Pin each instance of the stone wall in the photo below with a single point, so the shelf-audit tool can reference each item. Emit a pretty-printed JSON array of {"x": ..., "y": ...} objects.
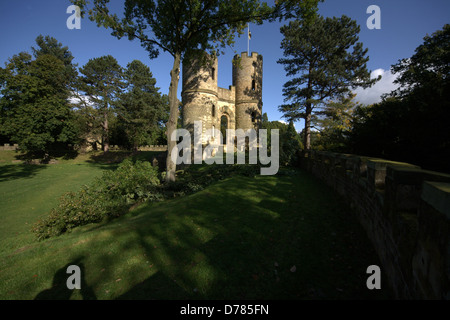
[
  {"x": 153, "y": 148},
  {"x": 8, "y": 146},
  {"x": 406, "y": 213}
]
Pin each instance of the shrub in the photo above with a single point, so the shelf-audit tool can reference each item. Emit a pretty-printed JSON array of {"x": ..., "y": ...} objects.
[{"x": 109, "y": 196}]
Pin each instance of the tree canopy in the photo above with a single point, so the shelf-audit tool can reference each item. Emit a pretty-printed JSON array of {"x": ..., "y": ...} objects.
[
  {"x": 324, "y": 60},
  {"x": 409, "y": 124},
  {"x": 102, "y": 82},
  {"x": 34, "y": 108},
  {"x": 141, "y": 108}
]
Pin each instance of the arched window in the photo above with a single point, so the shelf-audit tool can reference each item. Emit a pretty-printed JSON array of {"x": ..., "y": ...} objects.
[
  {"x": 213, "y": 111},
  {"x": 253, "y": 85},
  {"x": 213, "y": 75},
  {"x": 253, "y": 116}
]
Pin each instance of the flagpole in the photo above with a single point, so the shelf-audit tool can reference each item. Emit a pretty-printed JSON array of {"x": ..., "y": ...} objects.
[{"x": 248, "y": 39}]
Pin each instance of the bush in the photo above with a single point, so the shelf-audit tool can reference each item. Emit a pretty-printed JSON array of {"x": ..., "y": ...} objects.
[{"x": 109, "y": 196}]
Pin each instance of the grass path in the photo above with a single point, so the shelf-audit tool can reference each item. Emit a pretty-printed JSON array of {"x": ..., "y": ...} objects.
[{"x": 268, "y": 237}]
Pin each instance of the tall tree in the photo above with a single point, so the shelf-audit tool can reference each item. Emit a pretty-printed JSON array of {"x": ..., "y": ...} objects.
[
  {"x": 141, "y": 107},
  {"x": 428, "y": 67},
  {"x": 34, "y": 109},
  {"x": 409, "y": 124},
  {"x": 324, "y": 60},
  {"x": 335, "y": 123},
  {"x": 181, "y": 27},
  {"x": 51, "y": 46},
  {"x": 101, "y": 81}
]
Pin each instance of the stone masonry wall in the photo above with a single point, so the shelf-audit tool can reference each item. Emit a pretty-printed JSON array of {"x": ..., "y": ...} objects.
[
  {"x": 7, "y": 146},
  {"x": 406, "y": 213}
]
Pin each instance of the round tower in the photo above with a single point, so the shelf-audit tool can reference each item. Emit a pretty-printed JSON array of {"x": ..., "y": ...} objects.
[
  {"x": 199, "y": 92},
  {"x": 247, "y": 78}
]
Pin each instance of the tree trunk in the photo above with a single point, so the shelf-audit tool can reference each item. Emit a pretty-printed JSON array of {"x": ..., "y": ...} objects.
[
  {"x": 308, "y": 113},
  {"x": 105, "y": 133},
  {"x": 173, "y": 117},
  {"x": 307, "y": 138}
]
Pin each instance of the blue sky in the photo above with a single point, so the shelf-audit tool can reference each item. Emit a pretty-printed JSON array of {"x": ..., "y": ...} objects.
[{"x": 404, "y": 23}]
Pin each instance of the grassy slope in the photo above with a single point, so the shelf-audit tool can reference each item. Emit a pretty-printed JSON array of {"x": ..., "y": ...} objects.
[
  {"x": 222, "y": 242},
  {"x": 30, "y": 191}
]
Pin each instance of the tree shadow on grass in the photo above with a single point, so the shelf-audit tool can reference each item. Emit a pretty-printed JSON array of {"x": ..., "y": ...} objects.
[
  {"x": 109, "y": 157},
  {"x": 17, "y": 171},
  {"x": 59, "y": 290},
  {"x": 254, "y": 245},
  {"x": 237, "y": 239}
]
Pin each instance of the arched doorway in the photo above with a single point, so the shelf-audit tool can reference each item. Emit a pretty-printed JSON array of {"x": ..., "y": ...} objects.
[{"x": 223, "y": 128}]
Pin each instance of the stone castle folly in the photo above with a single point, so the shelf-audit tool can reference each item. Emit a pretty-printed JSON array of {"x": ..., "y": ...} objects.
[{"x": 238, "y": 107}]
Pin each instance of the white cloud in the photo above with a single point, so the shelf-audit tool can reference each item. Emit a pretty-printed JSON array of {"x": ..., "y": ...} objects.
[
  {"x": 373, "y": 94},
  {"x": 80, "y": 100}
]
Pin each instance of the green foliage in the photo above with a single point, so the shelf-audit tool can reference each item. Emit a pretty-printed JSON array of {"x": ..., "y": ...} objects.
[
  {"x": 289, "y": 140},
  {"x": 196, "y": 178},
  {"x": 51, "y": 46},
  {"x": 142, "y": 110},
  {"x": 335, "y": 124},
  {"x": 34, "y": 111},
  {"x": 429, "y": 66},
  {"x": 290, "y": 146},
  {"x": 324, "y": 60},
  {"x": 410, "y": 125},
  {"x": 101, "y": 82},
  {"x": 108, "y": 196}
]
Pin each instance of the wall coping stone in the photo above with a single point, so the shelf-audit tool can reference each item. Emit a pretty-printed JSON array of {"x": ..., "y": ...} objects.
[
  {"x": 437, "y": 194},
  {"x": 414, "y": 175}
]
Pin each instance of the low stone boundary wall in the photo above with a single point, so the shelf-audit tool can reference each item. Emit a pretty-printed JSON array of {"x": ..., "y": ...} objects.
[
  {"x": 8, "y": 146},
  {"x": 406, "y": 213},
  {"x": 153, "y": 148}
]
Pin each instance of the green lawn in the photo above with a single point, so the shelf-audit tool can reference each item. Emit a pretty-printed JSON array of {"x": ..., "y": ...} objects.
[
  {"x": 29, "y": 191},
  {"x": 267, "y": 237}
]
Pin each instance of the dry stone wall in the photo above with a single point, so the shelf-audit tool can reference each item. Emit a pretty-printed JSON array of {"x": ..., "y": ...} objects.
[{"x": 405, "y": 211}]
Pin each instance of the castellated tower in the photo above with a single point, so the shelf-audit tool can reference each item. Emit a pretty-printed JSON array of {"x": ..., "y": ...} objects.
[
  {"x": 247, "y": 78},
  {"x": 238, "y": 107}
]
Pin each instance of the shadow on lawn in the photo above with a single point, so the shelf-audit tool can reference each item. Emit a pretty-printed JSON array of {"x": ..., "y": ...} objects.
[
  {"x": 17, "y": 171},
  {"x": 238, "y": 239},
  {"x": 255, "y": 244},
  {"x": 59, "y": 290}
]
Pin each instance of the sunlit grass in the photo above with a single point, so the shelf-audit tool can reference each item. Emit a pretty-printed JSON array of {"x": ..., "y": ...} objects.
[{"x": 237, "y": 239}]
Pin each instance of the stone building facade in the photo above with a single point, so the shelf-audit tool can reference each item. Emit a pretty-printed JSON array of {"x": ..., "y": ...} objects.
[{"x": 238, "y": 107}]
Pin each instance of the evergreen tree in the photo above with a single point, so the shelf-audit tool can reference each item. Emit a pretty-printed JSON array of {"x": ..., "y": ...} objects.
[
  {"x": 142, "y": 108},
  {"x": 335, "y": 123},
  {"x": 102, "y": 82},
  {"x": 325, "y": 60},
  {"x": 51, "y": 46}
]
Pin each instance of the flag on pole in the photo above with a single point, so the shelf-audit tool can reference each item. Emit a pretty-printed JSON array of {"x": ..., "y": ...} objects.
[{"x": 249, "y": 37}]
